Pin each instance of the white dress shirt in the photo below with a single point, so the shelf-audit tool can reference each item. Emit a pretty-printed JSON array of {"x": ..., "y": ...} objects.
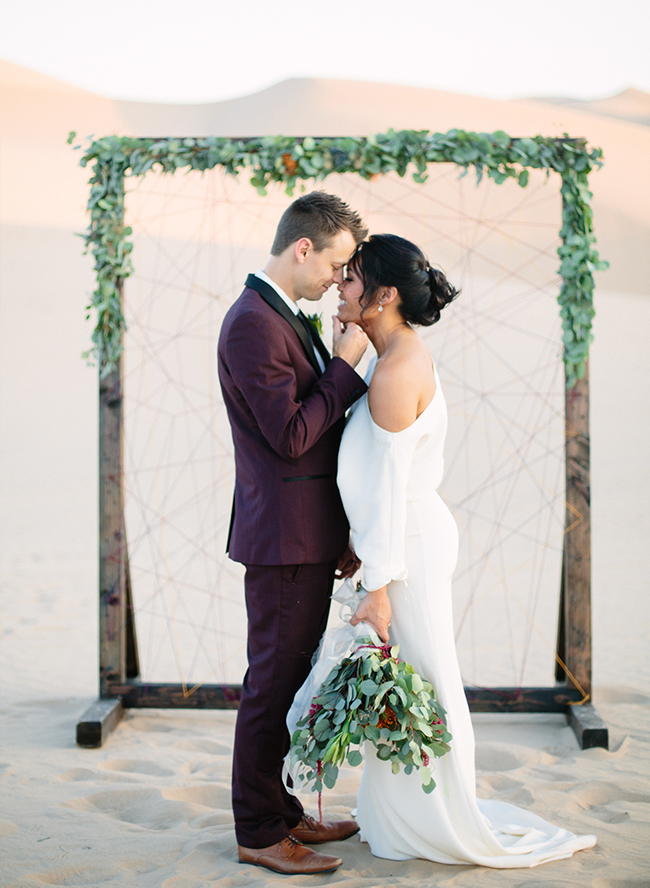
[{"x": 292, "y": 305}]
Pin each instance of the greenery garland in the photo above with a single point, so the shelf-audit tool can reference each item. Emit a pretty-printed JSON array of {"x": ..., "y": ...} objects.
[{"x": 290, "y": 161}]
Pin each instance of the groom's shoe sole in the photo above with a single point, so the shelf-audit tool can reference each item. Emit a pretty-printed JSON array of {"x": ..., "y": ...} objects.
[{"x": 289, "y": 857}]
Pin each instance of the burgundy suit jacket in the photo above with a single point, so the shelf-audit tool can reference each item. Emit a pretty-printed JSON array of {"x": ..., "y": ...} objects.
[{"x": 287, "y": 420}]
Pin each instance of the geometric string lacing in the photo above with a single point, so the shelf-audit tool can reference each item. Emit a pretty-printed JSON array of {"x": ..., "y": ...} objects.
[{"x": 498, "y": 353}]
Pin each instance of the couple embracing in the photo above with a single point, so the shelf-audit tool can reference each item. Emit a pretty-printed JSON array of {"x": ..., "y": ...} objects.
[{"x": 313, "y": 498}]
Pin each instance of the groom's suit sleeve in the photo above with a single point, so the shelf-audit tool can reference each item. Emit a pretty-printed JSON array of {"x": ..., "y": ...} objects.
[{"x": 263, "y": 371}]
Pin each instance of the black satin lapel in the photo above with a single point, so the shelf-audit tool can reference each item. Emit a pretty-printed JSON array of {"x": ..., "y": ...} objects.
[
  {"x": 322, "y": 348},
  {"x": 317, "y": 342},
  {"x": 269, "y": 295}
]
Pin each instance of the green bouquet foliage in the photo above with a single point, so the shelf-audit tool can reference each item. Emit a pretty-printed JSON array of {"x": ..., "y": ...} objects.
[{"x": 370, "y": 695}]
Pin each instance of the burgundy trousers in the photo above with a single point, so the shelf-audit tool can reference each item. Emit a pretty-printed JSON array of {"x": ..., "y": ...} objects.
[{"x": 287, "y": 609}]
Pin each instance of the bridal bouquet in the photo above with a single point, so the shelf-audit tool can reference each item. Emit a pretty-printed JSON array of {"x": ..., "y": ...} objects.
[{"x": 369, "y": 695}]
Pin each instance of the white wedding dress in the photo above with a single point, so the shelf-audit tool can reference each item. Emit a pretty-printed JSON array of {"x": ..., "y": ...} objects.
[{"x": 406, "y": 538}]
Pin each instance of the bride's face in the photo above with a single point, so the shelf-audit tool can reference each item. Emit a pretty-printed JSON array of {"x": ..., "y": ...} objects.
[{"x": 350, "y": 293}]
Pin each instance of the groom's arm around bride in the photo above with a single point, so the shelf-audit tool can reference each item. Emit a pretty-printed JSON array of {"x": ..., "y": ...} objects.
[{"x": 286, "y": 400}]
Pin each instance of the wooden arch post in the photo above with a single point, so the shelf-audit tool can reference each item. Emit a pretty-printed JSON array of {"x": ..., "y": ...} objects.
[
  {"x": 573, "y": 664},
  {"x": 118, "y": 651}
]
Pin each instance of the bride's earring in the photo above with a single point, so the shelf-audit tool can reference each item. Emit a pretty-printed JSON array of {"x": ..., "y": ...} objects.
[{"x": 380, "y": 307}]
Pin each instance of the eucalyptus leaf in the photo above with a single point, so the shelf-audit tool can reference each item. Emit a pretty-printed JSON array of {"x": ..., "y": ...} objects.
[{"x": 354, "y": 758}]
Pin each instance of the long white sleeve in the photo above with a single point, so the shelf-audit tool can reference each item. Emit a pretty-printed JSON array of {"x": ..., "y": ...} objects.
[{"x": 374, "y": 467}]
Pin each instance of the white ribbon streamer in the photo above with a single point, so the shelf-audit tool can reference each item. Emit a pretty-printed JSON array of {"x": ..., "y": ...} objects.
[{"x": 339, "y": 641}]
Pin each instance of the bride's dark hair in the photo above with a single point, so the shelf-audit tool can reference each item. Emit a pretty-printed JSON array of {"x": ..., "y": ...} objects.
[{"x": 387, "y": 260}]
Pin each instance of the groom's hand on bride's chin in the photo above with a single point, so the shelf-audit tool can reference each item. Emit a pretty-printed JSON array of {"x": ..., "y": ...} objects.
[
  {"x": 348, "y": 343},
  {"x": 348, "y": 565}
]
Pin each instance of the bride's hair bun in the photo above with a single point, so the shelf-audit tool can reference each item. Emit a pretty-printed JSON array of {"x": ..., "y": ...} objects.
[
  {"x": 442, "y": 293},
  {"x": 386, "y": 260}
]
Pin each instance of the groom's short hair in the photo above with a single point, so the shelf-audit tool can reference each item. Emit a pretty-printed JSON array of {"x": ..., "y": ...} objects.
[{"x": 320, "y": 217}]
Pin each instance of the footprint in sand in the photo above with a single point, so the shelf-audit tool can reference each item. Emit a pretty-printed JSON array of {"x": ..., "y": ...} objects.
[
  {"x": 566, "y": 778},
  {"x": 504, "y": 757},
  {"x": 217, "y": 771},
  {"x": 608, "y": 816},
  {"x": 213, "y": 863},
  {"x": 153, "y": 725},
  {"x": 603, "y": 793},
  {"x": 505, "y": 789},
  {"x": 210, "y": 795},
  {"x": 607, "y": 801},
  {"x": 219, "y": 818},
  {"x": 147, "y": 808},
  {"x": 135, "y": 766},
  {"x": 78, "y": 775},
  {"x": 209, "y": 746},
  {"x": 500, "y": 782},
  {"x": 68, "y": 875},
  {"x": 620, "y": 883}
]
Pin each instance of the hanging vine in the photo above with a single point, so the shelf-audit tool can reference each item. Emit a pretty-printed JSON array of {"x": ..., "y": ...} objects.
[{"x": 291, "y": 161}]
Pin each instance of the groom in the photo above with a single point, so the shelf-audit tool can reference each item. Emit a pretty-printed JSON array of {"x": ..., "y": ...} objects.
[{"x": 286, "y": 399}]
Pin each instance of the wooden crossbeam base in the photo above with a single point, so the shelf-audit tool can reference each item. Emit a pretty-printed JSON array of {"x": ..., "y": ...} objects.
[
  {"x": 553, "y": 699},
  {"x": 98, "y": 721},
  {"x": 589, "y": 728},
  {"x": 138, "y": 694}
]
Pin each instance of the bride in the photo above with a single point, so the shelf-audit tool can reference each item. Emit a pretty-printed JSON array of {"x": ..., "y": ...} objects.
[{"x": 390, "y": 465}]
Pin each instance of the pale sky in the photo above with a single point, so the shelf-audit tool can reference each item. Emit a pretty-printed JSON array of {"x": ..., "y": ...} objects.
[{"x": 209, "y": 50}]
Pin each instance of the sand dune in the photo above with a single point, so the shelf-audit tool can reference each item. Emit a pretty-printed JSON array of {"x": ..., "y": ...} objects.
[
  {"x": 631, "y": 105},
  {"x": 151, "y": 808},
  {"x": 40, "y": 183}
]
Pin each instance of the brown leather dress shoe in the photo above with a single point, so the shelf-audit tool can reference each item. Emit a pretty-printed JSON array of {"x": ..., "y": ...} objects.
[
  {"x": 289, "y": 857},
  {"x": 311, "y": 832}
]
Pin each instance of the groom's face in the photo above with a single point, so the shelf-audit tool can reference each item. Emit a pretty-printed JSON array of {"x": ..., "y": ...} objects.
[{"x": 318, "y": 270}]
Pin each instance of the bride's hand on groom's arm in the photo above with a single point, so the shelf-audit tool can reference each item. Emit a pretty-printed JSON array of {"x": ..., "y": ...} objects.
[
  {"x": 375, "y": 610},
  {"x": 348, "y": 565}
]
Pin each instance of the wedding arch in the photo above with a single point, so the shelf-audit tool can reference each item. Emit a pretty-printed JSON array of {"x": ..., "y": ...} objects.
[{"x": 121, "y": 166}]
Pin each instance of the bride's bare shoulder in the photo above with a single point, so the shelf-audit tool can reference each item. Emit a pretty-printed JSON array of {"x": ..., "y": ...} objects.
[{"x": 402, "y": 379}]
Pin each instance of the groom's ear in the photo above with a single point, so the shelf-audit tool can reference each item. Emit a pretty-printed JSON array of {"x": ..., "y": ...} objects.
[{"x": 302, "y": 248}]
